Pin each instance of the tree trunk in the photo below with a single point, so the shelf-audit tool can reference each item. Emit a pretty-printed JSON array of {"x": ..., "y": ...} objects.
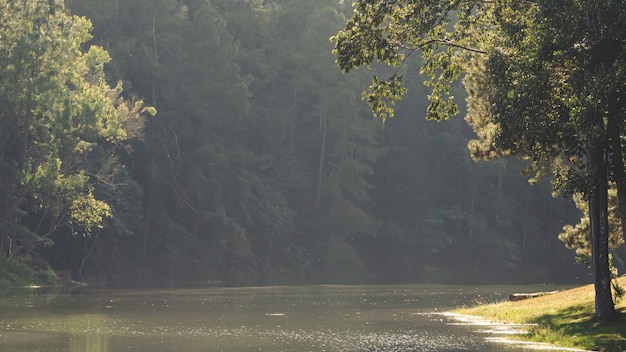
[
  {"x": 155, "y": 48},
  {"x": 322, "y": 154},
  {"x": 291, "y": 149},
  {"x": 470, "y": 218},
  {"x": 620, "y": 182},
  {"x": 598, "y": 216},
  {"x": 615, "y": 127},
  {"x": 525, "y": 230}
]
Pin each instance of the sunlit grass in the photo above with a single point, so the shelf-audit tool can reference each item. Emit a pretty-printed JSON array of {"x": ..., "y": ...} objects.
[{"x": 564, "y": 319}]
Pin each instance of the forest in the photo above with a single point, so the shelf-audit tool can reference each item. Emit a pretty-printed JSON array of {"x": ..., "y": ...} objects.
[{"x": 193, "y": 142}]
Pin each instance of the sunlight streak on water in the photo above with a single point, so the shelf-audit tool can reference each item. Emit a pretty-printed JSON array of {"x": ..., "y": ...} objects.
[
  {"x": 505, "y": 329},
  {"x": 469, "y": 320}
]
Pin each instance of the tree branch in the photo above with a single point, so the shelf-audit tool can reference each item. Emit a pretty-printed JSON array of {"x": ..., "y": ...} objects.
[{"x": 441, "y": 41}]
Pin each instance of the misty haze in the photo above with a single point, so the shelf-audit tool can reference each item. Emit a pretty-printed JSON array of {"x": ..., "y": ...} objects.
[{"x": 201, "y": 175}]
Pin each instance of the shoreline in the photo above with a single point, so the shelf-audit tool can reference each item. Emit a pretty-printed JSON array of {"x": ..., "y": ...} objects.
[
  {"x": 564, "y": 320},
  {"x": 503, "y": 332}
]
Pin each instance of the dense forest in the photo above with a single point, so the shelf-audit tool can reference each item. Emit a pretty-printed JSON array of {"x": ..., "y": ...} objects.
[{"x": 179, "y": 142}]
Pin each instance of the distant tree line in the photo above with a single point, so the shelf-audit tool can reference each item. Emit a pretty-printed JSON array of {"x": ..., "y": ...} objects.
[{"x": 262, "y": 164}]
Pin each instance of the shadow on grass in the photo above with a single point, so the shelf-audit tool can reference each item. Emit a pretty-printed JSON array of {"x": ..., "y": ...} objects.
[{"x": 576, "y": 325}]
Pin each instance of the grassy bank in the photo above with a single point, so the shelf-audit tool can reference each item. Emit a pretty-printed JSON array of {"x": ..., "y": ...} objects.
[{"x": 563, "y": 319}]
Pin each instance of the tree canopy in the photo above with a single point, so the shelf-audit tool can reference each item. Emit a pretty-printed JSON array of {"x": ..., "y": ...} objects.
[
  {"x": 62, "y": 127},
  {"x": 545, "y": 80}
]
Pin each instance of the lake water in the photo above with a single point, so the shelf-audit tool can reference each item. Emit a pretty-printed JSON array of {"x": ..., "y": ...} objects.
[{"x": 298, "y": 319}]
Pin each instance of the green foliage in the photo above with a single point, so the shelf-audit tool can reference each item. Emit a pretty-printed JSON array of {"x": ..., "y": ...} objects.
[
  {"x": 62, "y": 122},
  {"x": 577, "y": 237},
  {"x": 20, "y": 271},
  {"x": 383, "y": 95},
  {"x": 16, "y": 271},
  {"x": 391, "y": 32},
  {"x": 541, "y": 79},
  {"x": 618, "y": 290},
  {"x": 262, "y": 165}
]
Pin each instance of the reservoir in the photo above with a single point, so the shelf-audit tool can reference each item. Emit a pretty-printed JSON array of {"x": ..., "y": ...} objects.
[{"x": 399, "y": 318}]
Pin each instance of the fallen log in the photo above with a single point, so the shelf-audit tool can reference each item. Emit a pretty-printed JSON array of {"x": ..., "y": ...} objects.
[
  {"x": 523, "y": 296},
  {"x": 74, "y": 283}
]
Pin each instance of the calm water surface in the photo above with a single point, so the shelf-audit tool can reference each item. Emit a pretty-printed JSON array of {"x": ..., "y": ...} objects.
[{"x": 311, "y": 318}]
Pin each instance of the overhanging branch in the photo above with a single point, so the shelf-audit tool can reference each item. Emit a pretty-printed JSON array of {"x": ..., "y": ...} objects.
[{"x": 443, "y": 42}]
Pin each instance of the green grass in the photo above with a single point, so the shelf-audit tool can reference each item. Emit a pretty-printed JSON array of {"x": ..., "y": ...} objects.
[{"x": 563, "y": 319}]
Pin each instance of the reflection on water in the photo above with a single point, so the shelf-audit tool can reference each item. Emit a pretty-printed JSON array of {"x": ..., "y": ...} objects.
[
  {"x": 89, "y": 343},
  {"x": 312, "y": 318}
]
